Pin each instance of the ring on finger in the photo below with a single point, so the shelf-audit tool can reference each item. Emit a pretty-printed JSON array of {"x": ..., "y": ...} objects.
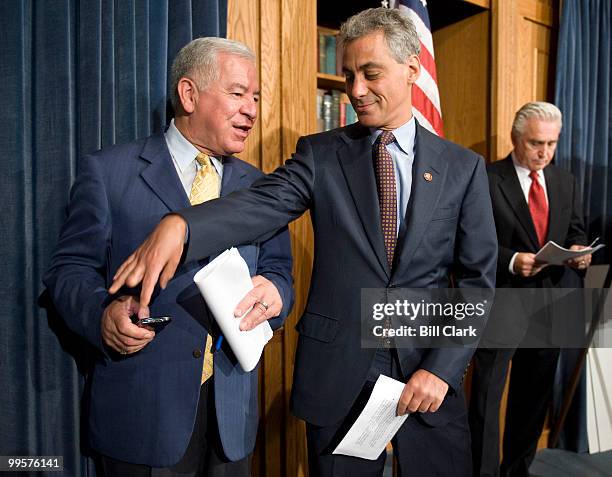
[{"x": 264, "y": 304}]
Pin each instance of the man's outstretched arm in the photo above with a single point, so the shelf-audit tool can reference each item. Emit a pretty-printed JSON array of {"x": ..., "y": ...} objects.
[
  {"x": 157, "y": 258},
  {"x": 246, "y": 216}
]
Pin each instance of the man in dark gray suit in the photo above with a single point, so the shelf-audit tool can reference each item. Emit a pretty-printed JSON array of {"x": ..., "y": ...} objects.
[{"x": 392, "y": 205}]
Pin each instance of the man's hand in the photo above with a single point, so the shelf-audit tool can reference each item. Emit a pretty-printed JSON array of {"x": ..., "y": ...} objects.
[
  {"x": 424, "y": 392},
  {"x": 118, "y": 331},
  {"x": 265, "y": 300},
  {"x": 579, "y": 263},
  {"x": 526, "y": 265},
  {"x": 159, "y": 254}
]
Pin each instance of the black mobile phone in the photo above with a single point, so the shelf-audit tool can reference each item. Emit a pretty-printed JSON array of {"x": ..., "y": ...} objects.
[{"x": 155, "y": 322}]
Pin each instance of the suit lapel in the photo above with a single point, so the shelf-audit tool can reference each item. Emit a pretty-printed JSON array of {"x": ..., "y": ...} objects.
[
  {"x": 233, "y": 177},
  {"x": 511, "y": 189},
  {"x": 423, "y": 196},
  {"x": 161, "y": 175},
  {"x": 555, "y": 199},
  {"x": 356, "y": 163}
]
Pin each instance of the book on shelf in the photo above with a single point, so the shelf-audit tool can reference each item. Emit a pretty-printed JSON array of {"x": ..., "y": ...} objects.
[
  {"x": 322, "y": 53},
  {"x": 329, "y": 54},
  {"x": 333, "y": 110}
]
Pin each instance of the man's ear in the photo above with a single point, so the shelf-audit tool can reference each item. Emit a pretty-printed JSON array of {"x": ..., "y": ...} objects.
[
  {"x": 414, "y": 69},
  {"x": 188, "y": 94}
]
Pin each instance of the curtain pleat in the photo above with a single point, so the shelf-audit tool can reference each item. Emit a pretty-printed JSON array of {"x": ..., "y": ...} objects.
[
  {"x": 583, "y": 85},
  {"x": 76, "y": 75},
  {"x": 582, "y": 92}
]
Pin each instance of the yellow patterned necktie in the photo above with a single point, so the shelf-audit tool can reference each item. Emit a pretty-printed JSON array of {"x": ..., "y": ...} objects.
[{"x": 205, "y": 187}]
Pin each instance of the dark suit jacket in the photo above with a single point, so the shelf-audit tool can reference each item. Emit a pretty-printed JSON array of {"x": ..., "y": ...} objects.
[
  {"x": 449, "y": 227},
  {"x": 515, "y": 229},
  {"x": 143, "y": 406},
  {"x": 514, "y": 312}
]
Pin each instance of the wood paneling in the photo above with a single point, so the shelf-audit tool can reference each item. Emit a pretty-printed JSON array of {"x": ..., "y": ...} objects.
[
  {"x": 522, "y": 37},
  {"x": 534, "y": 56},
  {"x": 539, "y": 11},
  {"x": 243, "y": 25},
  {"x": 505, "y": 64},
  {"x": 277, "y": 31},
  {"x": 480, "y": 3},
  {"x": 463, "y": 66},
  {"x": 299, "y": 73}
]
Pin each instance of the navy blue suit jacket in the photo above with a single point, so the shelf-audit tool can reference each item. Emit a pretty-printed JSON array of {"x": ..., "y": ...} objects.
[
  {"x": 143, "y": 406},
  {"x": 449, "y": 228}
]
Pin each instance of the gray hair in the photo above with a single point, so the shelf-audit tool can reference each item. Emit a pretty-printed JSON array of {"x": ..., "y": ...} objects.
[
  {"x": 198, "y": 60},
  {"x": 535, "y": 110},
  {"x": 400, "y": 33}
]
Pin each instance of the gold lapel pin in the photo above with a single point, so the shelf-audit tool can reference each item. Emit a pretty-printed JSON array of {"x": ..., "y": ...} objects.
[{"x": 427, "y": 176}]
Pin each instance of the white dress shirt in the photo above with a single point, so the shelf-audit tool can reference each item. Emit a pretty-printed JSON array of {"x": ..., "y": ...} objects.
[
  {"x": 184, "y": 158},
  {"x": 402, "y": 153}
]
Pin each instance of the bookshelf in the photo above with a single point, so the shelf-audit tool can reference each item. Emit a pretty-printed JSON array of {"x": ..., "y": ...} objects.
[
  {"x": 327, "y": 81},
  {"x": 333, "y": 106}
]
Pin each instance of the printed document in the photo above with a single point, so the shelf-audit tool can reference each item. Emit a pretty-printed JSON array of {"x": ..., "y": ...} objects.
[
  {"x": 554, "y": 254},
  {"x": 223, "y": 283},
  {"x": 377, "y": 423}
]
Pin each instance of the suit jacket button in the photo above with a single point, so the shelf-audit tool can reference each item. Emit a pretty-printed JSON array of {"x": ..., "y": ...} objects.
[{"x": 196, "y": 353}]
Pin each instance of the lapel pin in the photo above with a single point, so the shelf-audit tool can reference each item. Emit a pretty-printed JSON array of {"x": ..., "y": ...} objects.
[{"x": 427, "y": 176}]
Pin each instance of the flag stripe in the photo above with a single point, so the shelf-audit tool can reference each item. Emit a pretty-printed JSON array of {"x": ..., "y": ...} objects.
[
  {"x": 425, "y": 93},
  {"x": 428, "y": 62},
  {"x": 419, "y": 9},
  {"x": 427, "y": 108},
  {"x": 421, "y": 28},
  {"x": 423, "y": 121},
  {"x": 429, "y": 87}
]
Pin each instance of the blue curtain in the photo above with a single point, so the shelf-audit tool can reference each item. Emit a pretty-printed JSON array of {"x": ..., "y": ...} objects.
[
  {"x": 582, "y": 92},
  {"x": 75, "y": 76}
]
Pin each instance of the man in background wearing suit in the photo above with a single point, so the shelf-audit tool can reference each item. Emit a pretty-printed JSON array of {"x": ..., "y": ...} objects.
[
  {"x": 163, "y": 404},
  {"x": 533, "y": 202},
  {"x": 392, "y": 205}
]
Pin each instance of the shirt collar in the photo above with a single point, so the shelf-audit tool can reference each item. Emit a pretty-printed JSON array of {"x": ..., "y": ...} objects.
[
  {"x": 183, "y": 152},
  {"x": 524, "y": 171},
  {"x": 404, "y": 135}
]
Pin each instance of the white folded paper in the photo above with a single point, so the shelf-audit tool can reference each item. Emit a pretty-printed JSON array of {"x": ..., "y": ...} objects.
[
  {"x": 377, "y": 423},
  {"x": 223, "y": 283},
  {"x": 554, "y": 254}
]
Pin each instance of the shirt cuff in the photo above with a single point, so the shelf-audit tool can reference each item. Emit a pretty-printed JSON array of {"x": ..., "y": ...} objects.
[{"x": 511, "y": 266}]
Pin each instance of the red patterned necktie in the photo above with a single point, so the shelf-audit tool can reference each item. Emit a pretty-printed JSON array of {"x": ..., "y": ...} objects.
[
  {"x": 387, "y": 195},
  {"x": 538, "y": 207}
]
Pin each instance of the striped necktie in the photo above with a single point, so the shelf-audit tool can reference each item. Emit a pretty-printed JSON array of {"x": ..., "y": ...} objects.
[{"x": 205, "y": 187}]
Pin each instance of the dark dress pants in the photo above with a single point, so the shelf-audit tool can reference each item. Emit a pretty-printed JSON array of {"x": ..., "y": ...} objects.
[
  {"x": 420, "y": 450},
  {"x": 531, "y": 381},
  {"x": 204, "y": 456}
]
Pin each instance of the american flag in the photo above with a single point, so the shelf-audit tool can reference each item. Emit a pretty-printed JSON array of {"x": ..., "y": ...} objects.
[{"x": 425, "y": 95}]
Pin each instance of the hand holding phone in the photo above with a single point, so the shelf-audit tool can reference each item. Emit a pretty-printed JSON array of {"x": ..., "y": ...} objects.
[{"x": 156, "y": 323}]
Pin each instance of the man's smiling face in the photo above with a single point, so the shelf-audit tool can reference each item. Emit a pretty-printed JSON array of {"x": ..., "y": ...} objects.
[{"x": 378, "y": 86}]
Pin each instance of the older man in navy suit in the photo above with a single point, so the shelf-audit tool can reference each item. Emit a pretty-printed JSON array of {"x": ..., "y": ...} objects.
[
  {"x": 392, "y": 206},
  {"x": 158, "y": 405}
]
